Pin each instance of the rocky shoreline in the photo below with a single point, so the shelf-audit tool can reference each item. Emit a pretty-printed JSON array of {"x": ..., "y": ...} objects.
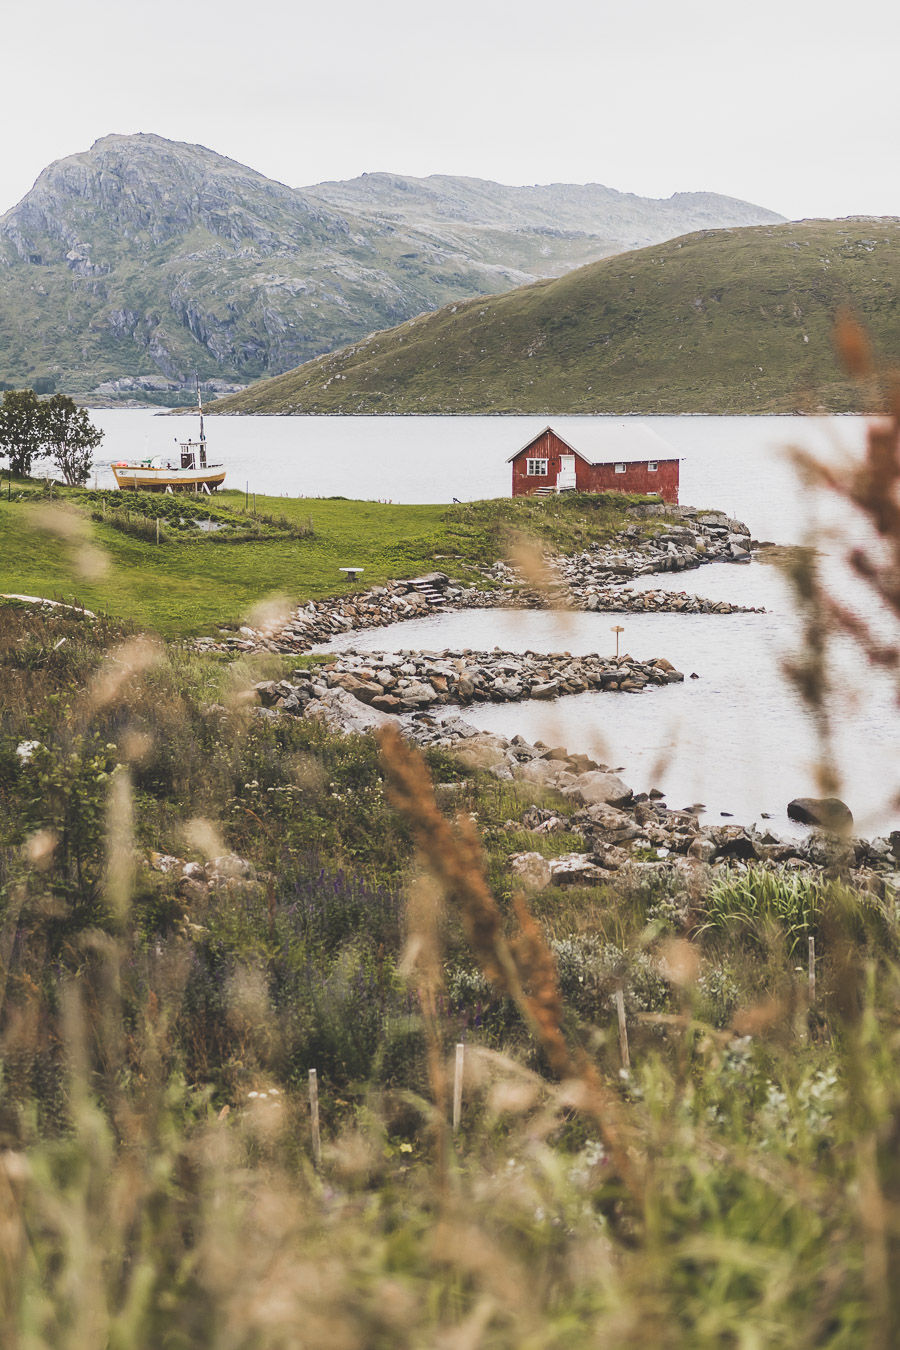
[
  {"x": 594, "y": 580},
  {"x": 626, "y": 833}
]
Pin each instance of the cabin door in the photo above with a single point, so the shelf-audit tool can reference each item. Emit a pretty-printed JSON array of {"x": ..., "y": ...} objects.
[{"x": 565, "y": 480}]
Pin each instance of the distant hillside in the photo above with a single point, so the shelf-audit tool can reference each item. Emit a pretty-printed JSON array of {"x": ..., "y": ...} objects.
[
  {"x": 723, "y": 321},
  {"x": 140, "y": 262},
  {"x": 544, "y": 230}
]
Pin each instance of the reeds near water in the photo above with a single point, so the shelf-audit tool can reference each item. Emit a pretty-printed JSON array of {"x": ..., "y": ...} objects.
[{"x": 738, "y": 1186}]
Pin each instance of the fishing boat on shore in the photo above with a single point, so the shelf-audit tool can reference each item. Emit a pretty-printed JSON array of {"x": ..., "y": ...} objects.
[{"x": 187, "y": 471}]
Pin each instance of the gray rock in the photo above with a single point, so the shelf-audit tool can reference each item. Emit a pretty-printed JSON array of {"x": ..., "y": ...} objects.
[
  {"x": 600, "y": 788},
  {"x": 829, "y": 812},
  {"x": 531, "y": 870},
  {"x": 417, "y": 694},
  {"x": 577, "y": 869}
]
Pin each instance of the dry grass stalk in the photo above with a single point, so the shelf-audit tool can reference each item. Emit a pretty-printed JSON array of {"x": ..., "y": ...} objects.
[
  {"x": 524, "y": 969},
  {"x": 423, "y": 968},
  {"x": 871, "y": 486}
]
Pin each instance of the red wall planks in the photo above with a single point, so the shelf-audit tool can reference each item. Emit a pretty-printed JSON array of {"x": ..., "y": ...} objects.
[{"x": 592, "y": 477}]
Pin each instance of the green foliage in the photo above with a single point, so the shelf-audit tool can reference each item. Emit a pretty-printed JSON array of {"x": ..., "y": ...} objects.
[
  {"x": 22, "y": 429},
  {"x": 721, "y": 321},
  {"x": 754, "y": 900},
  {"x": 30, "y": 428},
  {"x": 155, "y": 1150},
  {"x": 71, "y": 438}
]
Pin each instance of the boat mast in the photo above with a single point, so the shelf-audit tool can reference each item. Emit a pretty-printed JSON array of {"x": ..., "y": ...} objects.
[{"x": 202, "y": 432}]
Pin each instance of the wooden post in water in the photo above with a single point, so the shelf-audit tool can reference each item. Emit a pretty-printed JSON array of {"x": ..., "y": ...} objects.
[
  {"x": 812, "y": 971},
  {"x": 314, "y": 1116},
  {"x": 617, "y": 629},
  {"x": 458, "y": 1085},
  {"x": 623, "y": 1030}
]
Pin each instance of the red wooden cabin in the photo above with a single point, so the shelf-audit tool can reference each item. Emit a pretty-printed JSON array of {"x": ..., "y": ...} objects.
[{"x": 609, "y": 457}]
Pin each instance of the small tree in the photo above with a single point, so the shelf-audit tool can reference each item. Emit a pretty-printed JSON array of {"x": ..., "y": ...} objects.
[
  {"x": 22, "y": 427},
  {"x": 70, "y": 437}
]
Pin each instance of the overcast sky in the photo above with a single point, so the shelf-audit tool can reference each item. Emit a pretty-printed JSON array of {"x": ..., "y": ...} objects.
[{"x": 790, "y": 104}]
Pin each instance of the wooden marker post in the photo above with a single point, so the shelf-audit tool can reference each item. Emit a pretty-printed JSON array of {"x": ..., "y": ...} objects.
[
  {"x": 314, "y": 1116},
  {"x": 617, "y": 629},
  {"x": 812, "y": 970},
  {"x": 623, "y": 1030},
  {"x": 458, "y": 1085}
]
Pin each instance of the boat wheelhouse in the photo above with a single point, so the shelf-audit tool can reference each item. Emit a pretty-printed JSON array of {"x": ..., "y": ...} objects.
[{"x": 188, "y": 471}]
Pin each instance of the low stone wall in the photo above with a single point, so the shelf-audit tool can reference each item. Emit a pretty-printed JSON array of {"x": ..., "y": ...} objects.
[{"x": 398, "y": 682}]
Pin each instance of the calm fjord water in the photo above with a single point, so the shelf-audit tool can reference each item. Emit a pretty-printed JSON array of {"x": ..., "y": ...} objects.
[{"x": 736, "y": 738}]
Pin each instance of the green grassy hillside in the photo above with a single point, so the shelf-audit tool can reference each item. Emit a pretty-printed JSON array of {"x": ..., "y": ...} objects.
[
  {"x": 722, "y": 321},
  {"x": 293, "y": 548}
]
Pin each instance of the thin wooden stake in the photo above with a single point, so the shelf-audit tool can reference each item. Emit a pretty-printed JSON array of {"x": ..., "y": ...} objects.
[
  {"x": 623, "y": 1030},
  {"x": 314, "y": 1116},
  {"x": 812, "y": 970},
  {"x": 157, "y": 529},
  {"x": 458, "y": 1085}
]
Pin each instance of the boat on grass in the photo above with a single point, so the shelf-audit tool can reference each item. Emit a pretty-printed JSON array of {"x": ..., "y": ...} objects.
[{"x": 187, "y": 471}]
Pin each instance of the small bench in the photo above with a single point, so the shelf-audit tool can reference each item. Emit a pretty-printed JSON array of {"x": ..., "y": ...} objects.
[{"x": 352, "y": 572}]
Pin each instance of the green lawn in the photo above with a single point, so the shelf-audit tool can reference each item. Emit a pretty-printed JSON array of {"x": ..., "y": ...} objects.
[{"x": 187, "y": 586}]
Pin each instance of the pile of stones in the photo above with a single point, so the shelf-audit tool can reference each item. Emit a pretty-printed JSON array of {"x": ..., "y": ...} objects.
[{"x": 401, "y": 682}]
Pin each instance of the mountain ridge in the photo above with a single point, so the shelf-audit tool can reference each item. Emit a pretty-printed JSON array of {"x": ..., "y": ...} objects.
[
  {"x": 719, "y": 321},
  {"x": 142, "y": 261}
]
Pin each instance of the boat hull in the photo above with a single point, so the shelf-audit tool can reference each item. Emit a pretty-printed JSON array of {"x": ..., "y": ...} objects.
[{"x": 136, "y": 478}]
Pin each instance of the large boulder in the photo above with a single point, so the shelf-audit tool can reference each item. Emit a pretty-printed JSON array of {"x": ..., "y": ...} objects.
[
  {"x": 577, "y": 869},
  {"x": 417, "y": 694},
  {"x": 828, "y": 812},
  {"x": 531, "y": 869},
  {"x": 592, "y": 789},
  {"x": 547, "y": 772},
  {"x": 481, "y": 751}
]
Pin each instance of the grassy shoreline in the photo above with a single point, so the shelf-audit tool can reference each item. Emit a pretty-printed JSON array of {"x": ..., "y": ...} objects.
[{"x": 290, "y": 547}]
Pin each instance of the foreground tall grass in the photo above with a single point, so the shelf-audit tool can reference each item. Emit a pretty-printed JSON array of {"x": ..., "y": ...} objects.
[
  {"x": 738, "y": 1187},
  {"x": 199, "y": 904}
]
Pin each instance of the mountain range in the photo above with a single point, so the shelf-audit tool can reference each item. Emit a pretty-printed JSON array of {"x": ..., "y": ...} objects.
[
  {"x": 718, "y": 321},
  {"x": 134, "y": 266}
]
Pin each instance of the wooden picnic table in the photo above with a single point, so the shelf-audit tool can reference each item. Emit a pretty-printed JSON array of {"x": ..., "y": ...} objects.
[{"x": 352, "y": 572}]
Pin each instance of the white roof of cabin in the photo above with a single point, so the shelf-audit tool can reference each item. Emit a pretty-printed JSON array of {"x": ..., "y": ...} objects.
[{"x": 606, "y": 441}]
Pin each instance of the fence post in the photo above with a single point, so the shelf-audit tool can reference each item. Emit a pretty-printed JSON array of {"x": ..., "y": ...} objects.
[
  {"x": 812, "y": 970},
  {"x": 314, "y": 1116},
  {"x": 623, "y": 1030},
  {"x": 458, "y": 1085}
]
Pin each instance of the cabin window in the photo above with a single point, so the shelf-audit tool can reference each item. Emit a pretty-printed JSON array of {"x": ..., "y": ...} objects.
[
  {"x": 652, "y": 465},
  {"x": 620, "y": 468},
  {"x": 536, "y": 468}
]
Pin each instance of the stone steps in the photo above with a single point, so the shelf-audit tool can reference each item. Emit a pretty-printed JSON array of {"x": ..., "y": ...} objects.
[{"x": 429, "y": 591}]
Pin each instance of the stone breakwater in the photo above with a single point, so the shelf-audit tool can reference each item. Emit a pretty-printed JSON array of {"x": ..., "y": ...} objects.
[
  {"x": 626, "y": 833},
  {"x": 401, "y": 682},
  {"x": 593, "y": 580}
]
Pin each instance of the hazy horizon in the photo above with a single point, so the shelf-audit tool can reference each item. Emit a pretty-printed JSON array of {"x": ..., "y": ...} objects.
[{"x": 781, "y": 106}]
